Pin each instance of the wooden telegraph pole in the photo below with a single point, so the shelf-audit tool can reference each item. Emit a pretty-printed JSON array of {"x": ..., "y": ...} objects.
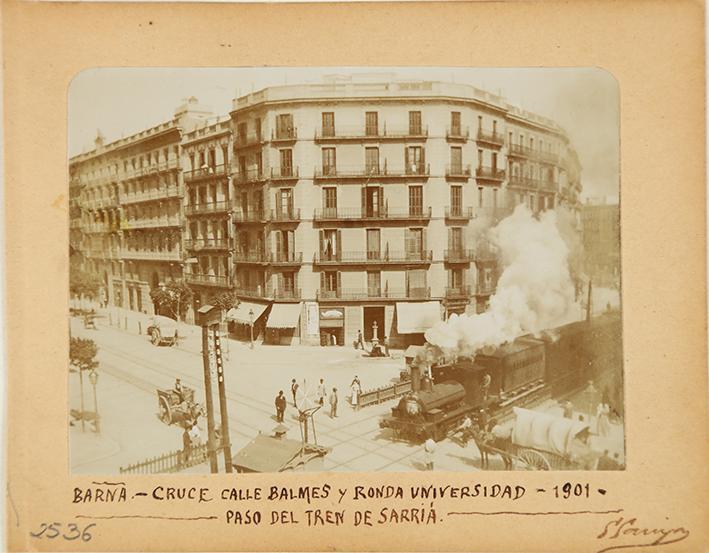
[
  {"x": 226, "y": 445},
  {"x": 203, "y": 315}
]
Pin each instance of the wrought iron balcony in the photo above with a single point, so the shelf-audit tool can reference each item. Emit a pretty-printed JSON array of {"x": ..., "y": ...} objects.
[
  {"x": 263, "y": 292},
  {"x": 284, "y": 135},
  {"x": 286, "y": 258},
  {"x": 373, "y": 293},
  {"x": 205, "y": 172},
  {"x": 284, "y": 173},
  {"x": 485, "y": 288},
  {"x": 458, "y": 171},
  {"x": 207, "y": 280},
  {"x": 255, "y": 257},
  {"x": 250, "y": 176},
  {"x": 285, "y": 215},
  {"x": 150, "y": 195},
  {"x": 517, "y": 181},
  {"x": 418, "y": 213},
  {"x": 199, "y": 244},
  {"x": 156, "y": 222},
  {"x": 490, "y": 137},
  {"x": 374, "y": 257},
  {"x": 285, "y": 294},
  {"x": 210, "y": 207},
  {"x": 458, "y": 255},
  {"x": 249, "y": 216},
  {"x": 378, "y": 172},
  {"x": 458, "y": 292},
  {"x": 171, "y": 255},
  {"x": 490, "y": 173},
  {"x": 248, "y": 140},
  {"x": 459, "y": 212},
  {"x": 342, "y": 133},
  {"x": 518, "y": 150},
  {"x": 454, "y": 134}
]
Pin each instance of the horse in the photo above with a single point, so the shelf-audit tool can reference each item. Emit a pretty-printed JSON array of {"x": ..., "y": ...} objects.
[{"x": 488, "y": 443}]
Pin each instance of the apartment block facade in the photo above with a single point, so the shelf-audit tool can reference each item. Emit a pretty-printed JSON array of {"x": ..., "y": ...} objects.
[{"x": 342, "y": 207}]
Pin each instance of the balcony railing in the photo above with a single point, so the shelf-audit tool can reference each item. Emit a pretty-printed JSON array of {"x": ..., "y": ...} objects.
[
  {"x": 210, "y": 207},
  {"x": 548, "y": 185},
  {"x": 207, "y": 244},
  {"x": 364, "y": 132},
  {"x": 373, "y": 171},
  {"x": 154, "y": 168},
  {"x": 285, "y": 294},
  {"x": 285, "y": 215},
  {"x": 458, "y": 255},
  {"x": 491, "y": 137},
  {"x": 248, "y": 140},
  {"x": 173, "y": 255},
  {"x": 254, "y": 291},
  {"x": 458, "y": 171},
  {"x": 287, "y": 258},
  {"x": 518, "y": 181},
  {"x": 284, "y": 173},
  {"x": 356, "y": 294},
  {"x": 251, "y": 257},
  {"x": 457, "y": 133},
  {"x": 459, "y": 212},
  {"x": 250, "y": 176},
  {"x": 375, "y": 257},
  {"x": 129, "y": 224},
  {"x": 458, "y": 292},
  {"x": 204, "y": 172},
  {"x": 490, "y": 173},
  {"x": 249, "y": 216},
  {"x": 154, "y": 194},
  {"x": 518, "y": 150},
  {"x": 207, "y": 280},
  {"x": 284, "y": 135},
  {"x": 485, "y": 288},
  {"x": 383, "y": 214}
]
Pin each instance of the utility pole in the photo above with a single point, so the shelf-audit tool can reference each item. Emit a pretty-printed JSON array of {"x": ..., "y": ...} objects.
[
  {"x": 226, "y": 445},
  {"x": 210, "y": 406}
]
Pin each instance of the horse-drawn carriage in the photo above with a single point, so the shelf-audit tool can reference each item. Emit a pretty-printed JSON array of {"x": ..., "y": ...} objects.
[
  {"x": 178, "y": 406},
  {"x": 162, "y": 330},
  {"x": 540, "y": 441}
]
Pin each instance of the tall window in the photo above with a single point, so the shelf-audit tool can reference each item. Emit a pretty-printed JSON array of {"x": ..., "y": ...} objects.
[
  {"x": 284, "y": 126},
  {"x": 494, "y": 127},
  {"x": 330, "y": 280},
  {"x": 288, "y": 280},
  {"x": 480, "y": 122},
  {"x": 416, "y": 283},
  {"x": 371, "y": 156},
  {"x": 456, "y": 160},
  {"x": 328, "y": 161},
  {"x": 494, "y": 198},
  {"x": 414, "y": 160},
  {"x": 416, "y": 200},
  {"x": 414, "y": 243},
  {"x": 330, "y": 201},
  {"x": 415, "y": 123},
  {"x": 509, "y": 139},
  {"x": 329, "y": 243},
  {"x": 480, "y": 196},
  {"x": 374, "y": 284},
  {"x": 284, "y": 203},
  {"x": 328, "y": 123},
  {"x": 372, "y": 201},
  {"x": 494, "y": 161},
  {"x": 285, "y": 245},
  {"x": 456, "y": 201},
  {"x": 242, "y": 167},
  {"x": 242, "y": 132},
  {"x": 456, "y": 279},
  {"x": 257, "y": 123},
  {"x": 480, "y": 159},
  {"x": 455, "y": 239},
  {"x": 212, "y": 158},
  {"x": 373, "y": 244},
  {"x": 286, "y": 162},
  {"x": 455, "y": 124},
  {"x": 225, "y": 156},
  {"x": 371, "y": 119}
]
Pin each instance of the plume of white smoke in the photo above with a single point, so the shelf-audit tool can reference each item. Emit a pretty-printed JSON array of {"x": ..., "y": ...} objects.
[{"x": 534, "y": 292}]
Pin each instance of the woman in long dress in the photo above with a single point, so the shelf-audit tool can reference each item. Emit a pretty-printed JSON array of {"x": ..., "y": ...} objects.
[
  {"x": 603, "y": 421},
  {"x": 354, "y": 388}
]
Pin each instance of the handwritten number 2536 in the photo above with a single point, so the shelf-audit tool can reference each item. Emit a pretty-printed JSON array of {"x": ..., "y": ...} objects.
[{"x": 72, "y": 531}]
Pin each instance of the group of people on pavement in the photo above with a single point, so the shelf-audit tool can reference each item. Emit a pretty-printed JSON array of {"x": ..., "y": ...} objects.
[{"x": 322, "y": 397}]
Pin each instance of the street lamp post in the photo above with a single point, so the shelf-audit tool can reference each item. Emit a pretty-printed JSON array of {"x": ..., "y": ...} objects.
[
  {"x": 251, "y": 328},
  {"x": 93, "y": 377}
]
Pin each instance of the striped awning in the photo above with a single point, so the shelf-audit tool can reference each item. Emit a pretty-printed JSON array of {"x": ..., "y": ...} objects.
[
  {"x": 240, "y": 314},
  {"x": 417, "y": 317},
  {"x": 284, "y": 315}
]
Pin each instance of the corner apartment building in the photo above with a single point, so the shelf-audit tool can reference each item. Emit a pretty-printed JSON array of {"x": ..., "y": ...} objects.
[
  {"x": 363, "y": 203},
  {"x": 132, "y": 209}
]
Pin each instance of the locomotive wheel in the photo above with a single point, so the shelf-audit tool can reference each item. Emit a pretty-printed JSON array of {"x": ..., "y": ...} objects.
[
  {"x": 155, "y": 337},
  {"x": 165, "y": 411},
  {"x": 533, "y": 460}
]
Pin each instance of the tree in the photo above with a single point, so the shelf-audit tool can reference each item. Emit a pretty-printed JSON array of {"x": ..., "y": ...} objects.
[
  {"x": 82, "y": 354},
  {"x": 172, "y": 298},
  {"x": 83, "y": 283},
  {"x": 225, "y": 301}
]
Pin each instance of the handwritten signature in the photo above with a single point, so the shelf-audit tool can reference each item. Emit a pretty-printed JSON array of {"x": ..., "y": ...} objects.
[{"x": 624, "y": 527}]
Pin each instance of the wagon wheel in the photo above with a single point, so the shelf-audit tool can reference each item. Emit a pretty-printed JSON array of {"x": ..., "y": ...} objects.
[
  {"x": 533, "y": 460},
  {"x": 165, "y": 411},
  {"x": 155, "y": 337}
]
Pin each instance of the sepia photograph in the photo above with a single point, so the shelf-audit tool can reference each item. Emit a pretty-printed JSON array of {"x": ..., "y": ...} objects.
[{"x": 349, "y": 269}]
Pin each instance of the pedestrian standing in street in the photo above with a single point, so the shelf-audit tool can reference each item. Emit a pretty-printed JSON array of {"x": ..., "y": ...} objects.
[
  {"x": 321, "y": 392},
  {"x": 186, "y": 445},
  {"x": 429, "y": 451},
  {"x": 280, "y": 406},
  {"x": 360, "y": 340},
  {"x": 294, "y": 390},
  {"x": 603, "y": 421},
  {"x": 333, "y": 403},
  {"x": 485, "y": 386},
  {"x": 568, "y": 410},
  {"x": 386, "y": 346},
  {"x": 355, "y": 390}
]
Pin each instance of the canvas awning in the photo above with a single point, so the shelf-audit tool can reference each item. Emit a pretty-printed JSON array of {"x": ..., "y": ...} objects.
[
  {"x": 240, "y": 314},
  {"x": 417, "y": 317},
  {"x": 284, "y": 315}
]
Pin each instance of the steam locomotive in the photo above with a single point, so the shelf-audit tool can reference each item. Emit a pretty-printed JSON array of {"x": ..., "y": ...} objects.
[{"x": 526, "y": 371}]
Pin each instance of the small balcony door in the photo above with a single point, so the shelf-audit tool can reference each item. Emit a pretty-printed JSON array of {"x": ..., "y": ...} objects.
[
  {"x": 284, "y": 126},
  {"x": 372, "y": 200},
  {"x": 371, "y": 119},
  {"x": 330, "y": 201},
  {"x": 328, "y": 161},
  {"x": 415, "y": 123},
  {"x": 373, "y": 244},
  {"x": 374, "y": 284},
  {"x": 414, "y": 243},
  {"x": 286, "y": 163},
  {"x": 456, "y": 201},
  {"x": 371, "y": 161},
  {"x": 328, "y": 123},
  {"x": 415, "y": 200},
  {"x": 455, "y": 123}
]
